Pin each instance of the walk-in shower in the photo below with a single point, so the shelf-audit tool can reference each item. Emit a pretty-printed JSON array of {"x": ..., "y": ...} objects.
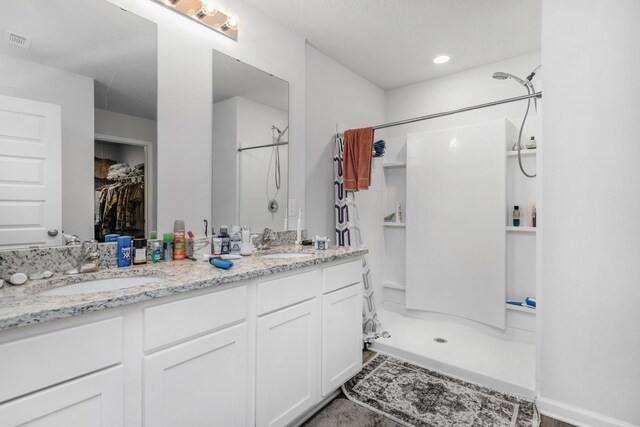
[{"x": 530, "y": 90}]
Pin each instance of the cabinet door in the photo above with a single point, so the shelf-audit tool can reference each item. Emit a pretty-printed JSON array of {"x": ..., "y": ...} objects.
[
  {"x": 95, "y": 400},
  {"x": 288, "y": 365},
  {"x": 341, "y": 336},
  {"x": 201, "y": 382}
]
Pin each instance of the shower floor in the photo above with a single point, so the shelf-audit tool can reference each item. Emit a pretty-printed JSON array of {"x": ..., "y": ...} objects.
[{"x": 500, "y": 363}]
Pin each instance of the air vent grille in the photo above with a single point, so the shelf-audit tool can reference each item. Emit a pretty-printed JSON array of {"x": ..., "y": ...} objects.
[{"x": 17, "y": 40}]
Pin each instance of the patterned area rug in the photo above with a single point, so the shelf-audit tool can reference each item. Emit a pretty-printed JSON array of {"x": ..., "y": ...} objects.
[{"x": 415, "y": 396}]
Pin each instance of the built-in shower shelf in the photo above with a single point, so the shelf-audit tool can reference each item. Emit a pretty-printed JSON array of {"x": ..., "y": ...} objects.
[
  {"x": 394, "y": 224},
  {"x": 394, "y": 165},
  {"x": 523, "y": 153},
  {"x": 393, "y": 285},
  {"x": 521, "y": 309},
  {"x": 522, "y": 229}
]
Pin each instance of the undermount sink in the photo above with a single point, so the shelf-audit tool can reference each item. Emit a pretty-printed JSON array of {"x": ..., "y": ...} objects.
[
  {"x": 286, "y": 256},
  {"x": 102, "y": 285}
]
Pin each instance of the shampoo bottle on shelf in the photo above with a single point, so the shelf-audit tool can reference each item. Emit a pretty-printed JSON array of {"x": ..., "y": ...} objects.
[
  {"x": 398, "y": 213},
  {"x": 516, "y": 216}
]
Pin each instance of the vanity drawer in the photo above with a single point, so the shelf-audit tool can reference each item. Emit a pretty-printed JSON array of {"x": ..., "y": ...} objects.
[
  {"x": 39, "y": 361},
  {"x": 175, "y": 321},
  {"x": 280, "y": 293},
  {"x": 341, "y": 276}
]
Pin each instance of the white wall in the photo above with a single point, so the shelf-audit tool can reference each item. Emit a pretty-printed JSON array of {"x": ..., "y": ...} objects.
[
  {"x": 74, "y": 93},
  {"x": 336, "y": 95},
  {"x": 125, "y": 126},
  {"x": 185, "y": 100},
  {"x": 590, "y": 331}
]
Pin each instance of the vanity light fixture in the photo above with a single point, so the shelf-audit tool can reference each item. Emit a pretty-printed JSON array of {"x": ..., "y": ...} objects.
[
  {"x": 205, "y": 13},
  {"x": 441, "y": 59}
]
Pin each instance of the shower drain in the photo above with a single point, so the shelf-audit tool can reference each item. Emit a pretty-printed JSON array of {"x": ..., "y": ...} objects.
[{"x": 440, "y": 340}]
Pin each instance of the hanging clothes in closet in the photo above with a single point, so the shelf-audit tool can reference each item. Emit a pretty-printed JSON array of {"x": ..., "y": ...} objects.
[{"x": 120, "y": 202}]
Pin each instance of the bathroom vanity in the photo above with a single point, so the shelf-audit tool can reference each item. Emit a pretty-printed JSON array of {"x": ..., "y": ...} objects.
[{"x": 261, "y": 344}]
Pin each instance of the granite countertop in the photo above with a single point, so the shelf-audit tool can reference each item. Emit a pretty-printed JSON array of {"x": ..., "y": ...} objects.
[{"x": 22, "y": 305}]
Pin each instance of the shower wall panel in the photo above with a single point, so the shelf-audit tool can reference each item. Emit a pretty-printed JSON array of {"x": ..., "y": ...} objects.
[{"x": 456, "y": 216}]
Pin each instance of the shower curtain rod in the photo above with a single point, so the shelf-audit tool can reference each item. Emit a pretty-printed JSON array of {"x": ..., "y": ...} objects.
[
  {"x": 262, "y": 146},
  {"x": 459, "y": 110}
]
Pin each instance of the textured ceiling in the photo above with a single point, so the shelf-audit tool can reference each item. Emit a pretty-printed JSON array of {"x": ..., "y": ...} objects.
[
  {"x": 392, "y": 42},
  {"x": 93, "y": 38}
]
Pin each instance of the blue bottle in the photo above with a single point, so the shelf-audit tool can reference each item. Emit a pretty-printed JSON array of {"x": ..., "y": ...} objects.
[{"x": 124, "y": 251}]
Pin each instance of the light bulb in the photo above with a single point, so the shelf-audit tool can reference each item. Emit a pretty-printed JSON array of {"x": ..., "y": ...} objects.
[
  {"x": 232, "y": 22},
  {"x": 208, "y": 10}
]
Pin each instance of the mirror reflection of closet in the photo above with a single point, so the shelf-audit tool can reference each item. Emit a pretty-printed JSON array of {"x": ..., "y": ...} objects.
[{"x": 120, "y": 191}]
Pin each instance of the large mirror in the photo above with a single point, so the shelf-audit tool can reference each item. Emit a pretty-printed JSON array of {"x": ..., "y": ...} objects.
[
  {"x": 78, "y": 95},
  {"x": 250, "y": 145}
]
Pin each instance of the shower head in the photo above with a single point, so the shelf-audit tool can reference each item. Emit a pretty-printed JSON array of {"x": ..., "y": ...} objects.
[
  {"x": 280, "y": 132},
  {"x": 504, "y": 76}
]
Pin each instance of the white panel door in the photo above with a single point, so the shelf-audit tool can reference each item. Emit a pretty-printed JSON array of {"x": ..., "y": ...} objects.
[
  {"x": 200, "y": 383},
  {"x": 30, "y": 173},
  {"x": 288, "y": 364},
  {"x": 95, "y": 400},
  {"x": 341, "y": 336},
  {"x": 456, "y": 218}
]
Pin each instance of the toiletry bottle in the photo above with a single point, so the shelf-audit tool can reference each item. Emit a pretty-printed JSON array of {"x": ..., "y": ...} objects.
[
  {"x": 167, "y": 246},
  {"x": 534, "y": 216},
  {"x": 516, "y": 216},
  {"x": 235, "y": 239},
  {"x": 139, "y": 251},
  {"x": 155, "y": 247},
  {"x": 532, "y": 144},
  {"x": 225, "y": 240},
  {"x": 124, "y": 251},
  {"x": 178, "y": 240},
  {"x": 299, "y": 228},
  {"x": 398, "y": 213}
]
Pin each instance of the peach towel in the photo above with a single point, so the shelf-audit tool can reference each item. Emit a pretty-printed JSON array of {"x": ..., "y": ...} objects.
[{"x": 356, "y": 165}]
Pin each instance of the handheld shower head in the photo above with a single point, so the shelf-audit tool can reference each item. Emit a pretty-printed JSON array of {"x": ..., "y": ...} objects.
[{"x": 504, "y": 76}]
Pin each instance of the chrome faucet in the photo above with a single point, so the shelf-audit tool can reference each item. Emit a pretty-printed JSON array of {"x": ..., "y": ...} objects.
[
  {"x": 266, "y": 239},
  {"x": 70, "y": 239},
  {"x": 89, "y": 258}
]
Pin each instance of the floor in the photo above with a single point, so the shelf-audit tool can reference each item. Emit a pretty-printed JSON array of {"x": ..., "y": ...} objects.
[
  {"x": 470, "y": 353},
  {"x": 343, "y": 412}
]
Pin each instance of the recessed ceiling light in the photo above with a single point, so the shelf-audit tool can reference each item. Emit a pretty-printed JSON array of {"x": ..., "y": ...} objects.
[{"x": 441, "y": 59}]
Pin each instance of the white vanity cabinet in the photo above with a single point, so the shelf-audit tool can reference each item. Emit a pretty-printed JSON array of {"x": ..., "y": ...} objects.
[
  {"x": 198, "y": 383},
  {"x": 201, "y": 380},
  {"x": 91, "y": 401},
  {"x": 288, "y": 348},
  {"x": 341, "y": 324},
  {"x": 263, "y": 352}
]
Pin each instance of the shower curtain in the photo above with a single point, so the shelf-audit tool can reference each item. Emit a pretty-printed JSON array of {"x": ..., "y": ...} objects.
[{"x": 348, "y": 233}]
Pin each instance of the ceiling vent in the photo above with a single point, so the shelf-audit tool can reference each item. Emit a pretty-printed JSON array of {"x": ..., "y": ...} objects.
[{"x": 17, "y": 40}]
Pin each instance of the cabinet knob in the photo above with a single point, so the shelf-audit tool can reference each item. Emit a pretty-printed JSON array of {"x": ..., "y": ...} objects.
[{"x": 52, "y": 233}]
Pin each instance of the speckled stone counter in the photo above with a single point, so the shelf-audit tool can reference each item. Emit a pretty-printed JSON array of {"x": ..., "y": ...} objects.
[{"x": 22, "y": 305}]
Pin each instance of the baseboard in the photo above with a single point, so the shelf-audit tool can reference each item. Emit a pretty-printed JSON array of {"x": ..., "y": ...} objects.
[
  {"x": 317, "y": 407},
  {"x": 576, "y": 416}
]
